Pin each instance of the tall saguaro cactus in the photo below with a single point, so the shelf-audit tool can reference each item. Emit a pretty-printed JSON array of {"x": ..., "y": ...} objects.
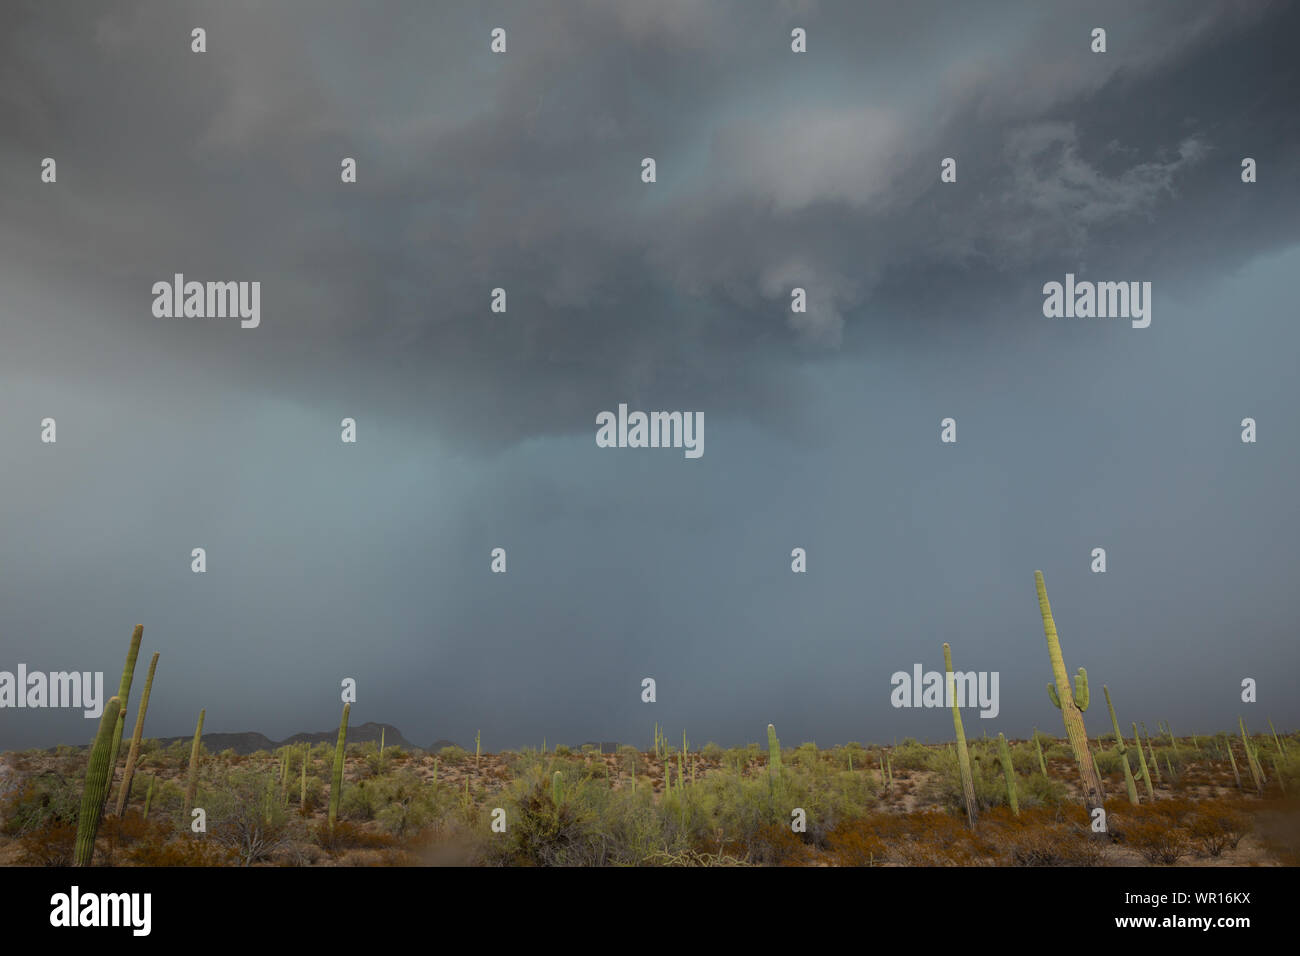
[
  {"x": 99, "y": 773},
  {"x": 123, "y": 692},
  {"x": 336, "y": 784},
  {"x": 1129, "y": 782},
  {"x": 963, "y": 755},
  {"x": 124, "y": 791},
  {"x": 1072, "y": 712},
  {"x": 191, "y": 788},
  {"x": 1142, "y": 762}
]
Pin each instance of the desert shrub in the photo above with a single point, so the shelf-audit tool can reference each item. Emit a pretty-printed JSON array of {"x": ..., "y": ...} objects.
[
  {"x": 1157, "y": 840},
  {"x": 1055, "y": 844},
  {"x": 181, "y": 850},
  {"x": 1215, "y": 828},
  {"x": 50, "y": 843},
  {"x": 712, "y": 752},
  {"x": 562, "y": 751},
  {"x": 910, "y": 755},
  {"x": 246, "y": 814},
  {"x": 1108, "y": 762},
  {"x": 452, "y": 755},
  {"x": 1039, "y": 791},
  {"x": 42, "y": 800},
  {"x": 347, "y": 835},
  {"x": 857, "y": 843}
]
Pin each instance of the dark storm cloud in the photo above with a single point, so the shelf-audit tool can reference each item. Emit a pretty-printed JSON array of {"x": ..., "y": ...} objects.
[{"x": 522, "y": 172}]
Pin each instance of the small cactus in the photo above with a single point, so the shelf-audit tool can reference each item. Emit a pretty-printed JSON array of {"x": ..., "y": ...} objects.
[
  {"x": 192, "y": 786},
  {"x": 557, "y": 788},
  {"x": 773, "y": 751},
  {"x": 99, "y": 773},
  {"x": 1042, "y": 763}
]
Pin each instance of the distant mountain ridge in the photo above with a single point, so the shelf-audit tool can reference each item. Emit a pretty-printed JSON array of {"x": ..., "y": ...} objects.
[{"x": 251, "y": 742}]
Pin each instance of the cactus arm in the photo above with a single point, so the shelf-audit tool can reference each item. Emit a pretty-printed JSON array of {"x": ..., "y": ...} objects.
[
  {"x": 1081, "y": 690},
  {"x": 1052, "y": 696}
]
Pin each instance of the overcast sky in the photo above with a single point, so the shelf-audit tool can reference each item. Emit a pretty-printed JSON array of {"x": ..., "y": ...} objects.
[{"x": 477, "y": 430}]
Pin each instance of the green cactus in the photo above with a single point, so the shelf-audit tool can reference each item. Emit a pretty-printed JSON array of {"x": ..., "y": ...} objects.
[
  {"x": 1277, "y": 742},
  {"x": 99, "y": 773},
  {"x": 963, "y": 755},
  {"x": 1173, "y": 741},
  {"x": 192, "y": 786},
  {"x": 773, "y": 752},
  {"x": 557, "y": 788},
  {"x": 1151, "y": 752},
  {"x": 1081, "y": 697},
  {"x": 123, "y": 692},
  {"x": 1256, "y": 772},
  {"x": 1235, "y": 772},
  {"x": 336, "y": 781},
  {"x": 148, "y": 797},
  {"x": 302, "y": 790},
  {"x": 1277, "y": 772},
  {"x": 1004, "y": 753},
  {"x": 1042, "y": 764},
  {"x": 133, "y": 755},
  {"x": 1072, "y": 713},
  {"x": 681, "y": 768},
  {"x": 477, "y": 748},
  {"x": 1129, "y": 783}
]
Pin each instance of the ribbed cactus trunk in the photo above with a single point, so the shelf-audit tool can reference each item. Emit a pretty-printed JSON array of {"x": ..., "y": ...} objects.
[
  {"x": 1093, "y": 794},
  {"x": 192, "y": 787},
  {"x": 336, "y": 783},
  {"x": 557, "y": 787},
  {"x": 963, "y": 755},
  {"x": 133, "y": 755},
  {"x": 1129, "y": 783},
  {"x": 773, "y": 751},
  {"x": 1277, "y": 741},
  {"x": 1004, "y": 754},
  {"x": 99, "y": 774},
  {"x": 1227, "y": 745},
  {"x": 1042, "y": 764},
  {"x": 123, "y": 693}
]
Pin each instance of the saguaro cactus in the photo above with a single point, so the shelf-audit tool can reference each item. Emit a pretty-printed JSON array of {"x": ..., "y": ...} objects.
[
  {"x": 1129, "y": 782},
  {"x": 99, "y": 773},
  {"x": 557, "y": 787},
  {"x": 148, "y": 797},
  {"x": 336, "y": 783},
  {"x": 123, "y": 692},
  {"x": 1093, "y": 794},
  {"x": 191, "y": 788},
  {"x": 1042, "y": 764},
  {"x": 1151, "y": 752},
  {"x": 302, "y": 793},
  {"x": 1227, "y": 744},
  {"x": 1004, "y": 754},
  {"x": 773, "y": 751},
  {"x": 124, "y": 791},
  {"x": 963, "y": 755},
  {"x": 1142, "y": 763}
]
